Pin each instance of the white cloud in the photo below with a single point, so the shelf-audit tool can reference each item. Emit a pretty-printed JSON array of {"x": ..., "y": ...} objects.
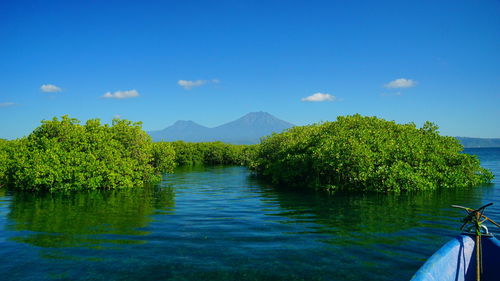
[
  {"x": 319, "y": 97},
  {"x": 121, "y": 94},
  {"x": 6, "y": 104},
  {"x": 117, "y": 116},
  {"x": 401, "y": 83},
  {"x": 189, "y": 84},
  {"x": 49, "y": 88}
]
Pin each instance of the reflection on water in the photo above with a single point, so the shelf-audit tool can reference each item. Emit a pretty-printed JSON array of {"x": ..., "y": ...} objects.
[
  {"x": 345, "y": 214},
  {"x": 221, "y": 224},
  {"x": 87, "y": 219}
]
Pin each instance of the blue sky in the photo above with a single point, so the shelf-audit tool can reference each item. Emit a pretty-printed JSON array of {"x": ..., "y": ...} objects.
[{"x": 214, "y": 61}]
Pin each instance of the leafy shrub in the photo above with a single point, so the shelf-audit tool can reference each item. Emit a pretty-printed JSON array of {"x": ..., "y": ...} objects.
[
  {"x": 163, "y": 157},
  {"x": 187, "y": 153},
  {"x": 64, "y": 155},
  {"x": 211, "y": 153},
  {"x": 5, "y": 159},
  {"x": 367, "y": 154}
]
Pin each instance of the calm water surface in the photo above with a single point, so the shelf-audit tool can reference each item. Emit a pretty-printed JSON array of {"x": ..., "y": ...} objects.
[{"x": 221, "y": 224}]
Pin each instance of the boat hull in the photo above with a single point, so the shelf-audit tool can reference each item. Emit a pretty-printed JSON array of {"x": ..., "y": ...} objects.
[{"x": 456, "y": 261}]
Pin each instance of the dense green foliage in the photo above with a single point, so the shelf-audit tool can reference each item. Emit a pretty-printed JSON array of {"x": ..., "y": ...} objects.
[
  {"x": 367, "y": 154},
  {"x": 65, "y": 155},
  {"x": 62, "y": 154},
  {"x": 352, "y": 153},
  {"x": 211, "y": 153},
  {"x": 163, "y": 157},
  {"x": 5, "y": 152}
]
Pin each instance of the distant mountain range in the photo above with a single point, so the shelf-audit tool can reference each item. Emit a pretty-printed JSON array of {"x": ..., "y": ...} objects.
[
  {"x": 479, "y": 142},
  {"x": 245, "y": 130},
  {"x": 253, "y": 126}
]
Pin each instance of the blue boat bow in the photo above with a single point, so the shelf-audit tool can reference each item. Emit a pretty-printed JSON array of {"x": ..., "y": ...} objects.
[
  {"x": 472, "y": 256},
  {"x": 455, "y": 261}
]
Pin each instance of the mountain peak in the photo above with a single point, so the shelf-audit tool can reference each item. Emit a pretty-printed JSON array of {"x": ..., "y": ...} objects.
[
  {"x": 257, "y": 115},
  {"x": 261, "y": 118},
  {"x": 187, "y": 125},
  {"x": 245, "y": 130},
  {"x": 184, "y": 122}
]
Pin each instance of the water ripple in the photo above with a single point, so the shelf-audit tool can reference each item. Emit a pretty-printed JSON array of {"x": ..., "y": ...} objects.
[{"x": 221, "y": 224}]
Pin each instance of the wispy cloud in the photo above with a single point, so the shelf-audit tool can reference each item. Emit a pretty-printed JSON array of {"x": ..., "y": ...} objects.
[
  {"x": 391, "y": 94},
  {"x": 189, "y": 84},
  {"x": 6, "y": 104},
  {"x": 319, "y": 97},
  {"x": 49, "y": 88},
  {"x": 117, "y": 116},
  {"x": 121, "y": 94},
  {"x": 401, "y": 83}
]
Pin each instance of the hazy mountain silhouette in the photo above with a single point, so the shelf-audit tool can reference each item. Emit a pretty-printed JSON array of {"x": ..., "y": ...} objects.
[
  {"x": 479, "y": 142},
  {"x": 245, "y": 130},
  {"x": 182, "y": 130}
]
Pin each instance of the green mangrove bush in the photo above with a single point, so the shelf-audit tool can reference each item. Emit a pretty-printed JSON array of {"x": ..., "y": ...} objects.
[
  {"x": 163, "y": 157},
  {"x": 5, "y": 160},
  {"x": 62, "y": 154},
  {"x": 211, "y": 153},
  {"x": 367, "y": 154}
]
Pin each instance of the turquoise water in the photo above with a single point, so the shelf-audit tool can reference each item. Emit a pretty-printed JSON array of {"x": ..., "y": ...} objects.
[{"x": 219, "y": 223}]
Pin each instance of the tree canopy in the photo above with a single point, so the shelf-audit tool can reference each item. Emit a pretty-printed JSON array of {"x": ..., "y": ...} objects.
[
  {"x": 354, "y": 153},
  {"x": 367, "y": 154},
  {"x": 62, "y": 154}
]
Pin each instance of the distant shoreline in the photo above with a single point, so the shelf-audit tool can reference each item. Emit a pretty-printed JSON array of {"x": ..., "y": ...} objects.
[{"x": 479, "y": 142}]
